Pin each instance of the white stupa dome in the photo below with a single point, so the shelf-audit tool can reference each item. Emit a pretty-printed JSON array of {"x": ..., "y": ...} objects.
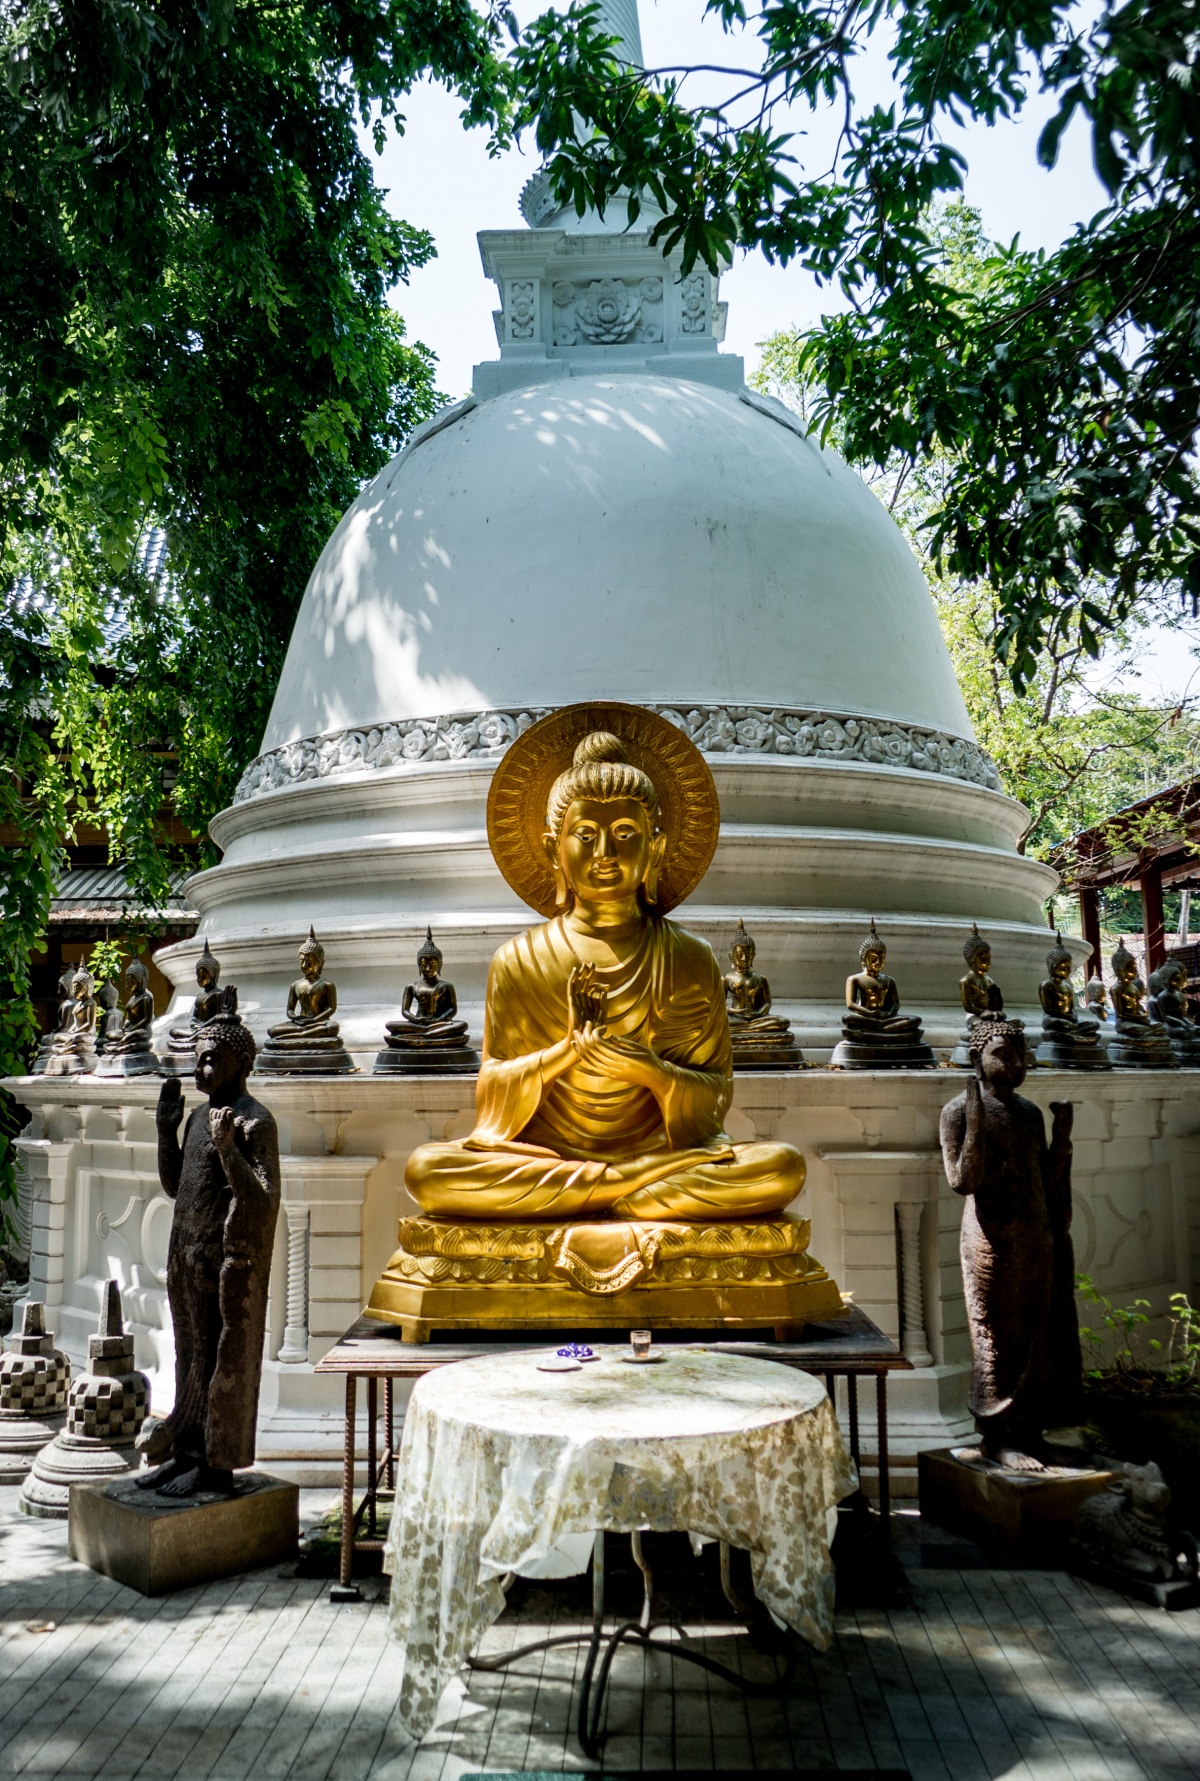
[
  {"x": 634, "y": 537},
  {"x": 612, "y": 514}
]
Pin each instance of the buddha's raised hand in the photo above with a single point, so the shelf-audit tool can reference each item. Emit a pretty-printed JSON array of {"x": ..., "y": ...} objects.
[{"x": 587, "y": 999}]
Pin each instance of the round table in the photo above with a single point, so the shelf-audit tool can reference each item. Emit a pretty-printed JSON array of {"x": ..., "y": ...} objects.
[{"x": 499, "y": 1460}]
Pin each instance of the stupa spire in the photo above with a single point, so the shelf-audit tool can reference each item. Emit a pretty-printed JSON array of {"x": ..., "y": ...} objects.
[{"x": 620, "y": 19}]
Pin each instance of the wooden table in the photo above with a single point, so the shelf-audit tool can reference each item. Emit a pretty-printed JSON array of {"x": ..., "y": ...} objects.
[{"x": 850, "y": 1346}]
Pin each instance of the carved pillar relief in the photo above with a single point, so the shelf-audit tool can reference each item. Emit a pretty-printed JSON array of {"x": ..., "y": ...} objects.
[
  {"x": 295, "y": 1335},
  {"x": 913, "y": 1337},
  {"x": 521, "y": 305}
]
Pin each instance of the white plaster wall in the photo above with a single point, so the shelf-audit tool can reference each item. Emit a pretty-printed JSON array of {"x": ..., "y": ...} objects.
[{"x": 870, "y": 1140}]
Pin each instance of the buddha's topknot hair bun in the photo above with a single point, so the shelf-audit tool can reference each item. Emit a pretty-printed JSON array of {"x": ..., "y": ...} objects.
[{"x": 599, "y": 769}]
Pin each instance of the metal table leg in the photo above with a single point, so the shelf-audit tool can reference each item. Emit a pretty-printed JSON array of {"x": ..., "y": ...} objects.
[
  {"x": 885, "y": 1489},
  {"x": 344, "y": 1590},
  {"x": 372, "y": 1461}
]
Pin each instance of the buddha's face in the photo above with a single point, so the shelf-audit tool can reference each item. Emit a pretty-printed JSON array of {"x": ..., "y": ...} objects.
[
  {"x": 1003, "y": 1064},
  {"x": 873, "y": 963},
  {"x": 742, "y": 957},
  {"x": 310, "y": 964},
  {"x": 605, "y": 848},
  {"x": 429, "y": 968},
  {"x": 204, "y": 976},
  {"x": 217, "y": 1067},
  {"x": 1127, "y": 971},
  {"x": 1060, "y": 970},
  {"x": 981, "y": 964}
]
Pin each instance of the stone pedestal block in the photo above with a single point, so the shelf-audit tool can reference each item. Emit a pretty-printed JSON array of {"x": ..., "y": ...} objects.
[
  {"x": 1029, "y": 1512},
  {"x": 155, "y": 1544}
]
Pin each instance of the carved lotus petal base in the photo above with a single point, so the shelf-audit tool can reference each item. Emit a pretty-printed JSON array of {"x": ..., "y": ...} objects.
[{"x": 603, "y": 1274}]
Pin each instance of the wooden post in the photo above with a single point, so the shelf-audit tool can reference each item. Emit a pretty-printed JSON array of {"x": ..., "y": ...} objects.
[
  {"x": 1152, "y": 914},
  {"x": 1089, "y": 910}
]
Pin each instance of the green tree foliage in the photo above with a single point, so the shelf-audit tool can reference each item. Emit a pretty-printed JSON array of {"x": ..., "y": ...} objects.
[
  {"x": 1062, "y": 388},
  {"x": 1077, "y": 741},
  {"x": 195, "y": 340}
]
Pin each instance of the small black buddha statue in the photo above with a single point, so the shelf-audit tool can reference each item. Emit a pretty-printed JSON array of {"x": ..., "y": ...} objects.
[
  {"x": 1070, "y": 1041},
  {"x": 308, "y": 1042},
  {"x": 875, "y": 1035},
  {"x": 761, "y": 1040},
  {"x": 131, "y": 1053},
  {"x": 73, "y": 1051},
  {"x": 1168, "y": 1004},
  {"x": 428, "y": 1039},
  {"x": 1139, "y": 1043},
  {"x": 180, "y": 1057}
]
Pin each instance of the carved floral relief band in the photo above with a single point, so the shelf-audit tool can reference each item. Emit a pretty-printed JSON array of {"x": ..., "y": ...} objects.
[{"x": 800, "y": 733}]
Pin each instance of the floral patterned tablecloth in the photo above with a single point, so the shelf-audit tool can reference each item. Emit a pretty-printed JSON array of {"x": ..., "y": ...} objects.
[{"x": 499, "y": 1460}]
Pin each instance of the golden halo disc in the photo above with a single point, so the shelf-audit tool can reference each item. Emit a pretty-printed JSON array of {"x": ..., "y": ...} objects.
[{"x": 516, "y": 811}]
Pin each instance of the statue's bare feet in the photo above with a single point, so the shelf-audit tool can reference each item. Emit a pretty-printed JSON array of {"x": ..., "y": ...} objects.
[
  {"x": 197, "y": 1478},
  {"x": 1014, "y": 1460},
  {"x": 158, "y": 1476}
]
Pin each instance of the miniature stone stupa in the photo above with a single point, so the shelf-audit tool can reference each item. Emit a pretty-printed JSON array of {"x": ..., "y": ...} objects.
[
  {"x": 875, "y": 1035},
  {"x": 761, "y": 1040},
  {"x": 1168, "y": 1005},
  {"x": 132, "y": 1052},
  {"x": 1139, "y": 1042},
  {"x": 180, "y": 1056},
  {"x": 73, "y": 1049},
  {"x": 1070, "y": 1041},
  {"x": 106, "y": 1406},
  {"x": 428, "y": 1039},
  {"x": 34, "y": 1376},
  {"x": 308, "y": 1042}
]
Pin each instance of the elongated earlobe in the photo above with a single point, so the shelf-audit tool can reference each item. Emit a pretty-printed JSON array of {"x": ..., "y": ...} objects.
[{"x": 562, "y": 890}]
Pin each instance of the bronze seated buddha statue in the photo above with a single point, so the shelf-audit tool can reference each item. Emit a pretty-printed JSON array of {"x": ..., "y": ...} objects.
[
  {"x": 179, "y": 1059},
  {"x": 983, "y": 1002},
  {"x": 875, "y": 1035},
  {"x": 429, "y": 1038},
  {"x": 1139, "y": 1042},
  {"x": 1168, "y": 1004},
  {"x": 761, "y": 1040},
  {"x": 73, "y": 1048},
  {"x": 131, "y": 1051},
  {"x": 599, "y": 1186},
  {"x": 309, "y": 1041},
  {"x": 1070, "y": 1041}
]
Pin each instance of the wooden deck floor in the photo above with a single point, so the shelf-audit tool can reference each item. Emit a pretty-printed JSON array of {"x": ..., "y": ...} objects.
[{"x": 990, "y": 1675}]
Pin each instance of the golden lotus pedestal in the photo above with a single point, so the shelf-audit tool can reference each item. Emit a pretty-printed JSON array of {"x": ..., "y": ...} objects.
[{"x": 453, "y": 1275}]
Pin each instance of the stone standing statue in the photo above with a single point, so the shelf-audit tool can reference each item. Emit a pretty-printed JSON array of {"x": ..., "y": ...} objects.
[
  {"x": 1069, "y": 1041},
  {"x": 73, "y": 1052},
  {"x": 761, "y": 1040},
  {"x": 180, "y": 1058},
  {"x": 428, "y": 1039},
  {"x": 132, "y": 1053},
  {"x": 1139, "y": 1043},
  {"x": 1169, "y": 1005},
  {"x": 875, "y": 1035},
  {"x": 225, "y": 1185},
  {"x": 308, "y": 1042},
  {"x": 66, "y": 1010},
  {"x": 1018, "y": 1266}
]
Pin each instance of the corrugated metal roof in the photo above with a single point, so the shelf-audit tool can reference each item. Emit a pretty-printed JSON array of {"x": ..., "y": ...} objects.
[{"x": 102, "y": 893}]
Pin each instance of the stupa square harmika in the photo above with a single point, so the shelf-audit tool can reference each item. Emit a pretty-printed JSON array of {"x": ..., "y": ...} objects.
[{"x": 611, "y": 515}]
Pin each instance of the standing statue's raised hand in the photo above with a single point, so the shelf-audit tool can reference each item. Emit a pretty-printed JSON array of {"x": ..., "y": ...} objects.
[
  {"x": 169, "y": 1112},
  {"x": 222, "y": 1125}
]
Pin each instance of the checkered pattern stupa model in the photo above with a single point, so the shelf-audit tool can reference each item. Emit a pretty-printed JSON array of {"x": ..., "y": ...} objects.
[
  {"x": 106, "y": 1406},
  {"x": 34, "y": 1376}
]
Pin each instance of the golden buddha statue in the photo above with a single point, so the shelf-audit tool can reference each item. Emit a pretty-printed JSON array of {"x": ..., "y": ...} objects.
[
  {"x": 308, "y": 1042},
  {"x": 761, "y": 1040},
  {"x": 599, "y": 1151}
]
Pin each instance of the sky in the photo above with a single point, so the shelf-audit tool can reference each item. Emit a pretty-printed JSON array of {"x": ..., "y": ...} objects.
[{"x": 440, "y": 178}]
